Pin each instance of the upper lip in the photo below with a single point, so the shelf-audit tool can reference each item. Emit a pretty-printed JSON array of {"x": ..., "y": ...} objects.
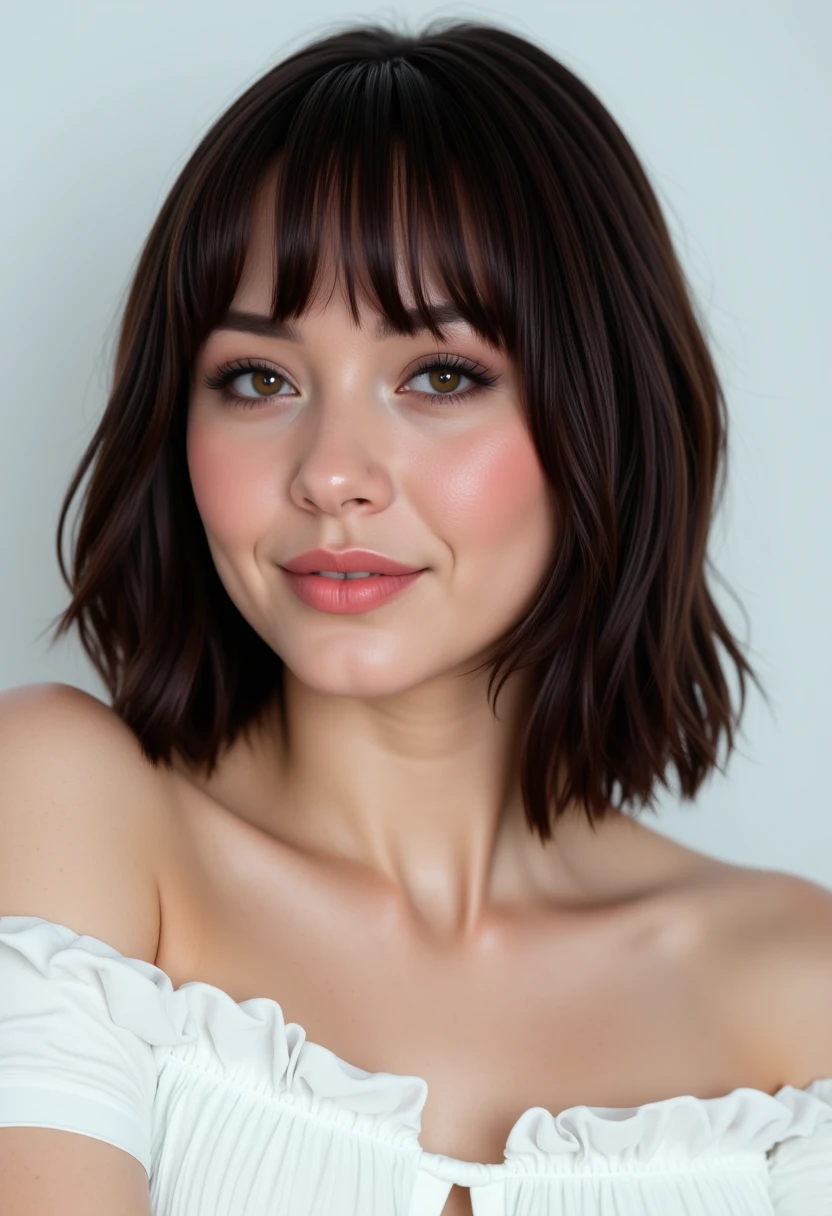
[{"x": 348, "y": 561}]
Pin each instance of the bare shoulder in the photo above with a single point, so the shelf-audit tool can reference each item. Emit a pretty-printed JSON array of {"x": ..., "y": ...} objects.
[
  {"x": 772, "y": 956},
  {"x": 82, "y": 818},
  {"x": 794, "y": 973}
]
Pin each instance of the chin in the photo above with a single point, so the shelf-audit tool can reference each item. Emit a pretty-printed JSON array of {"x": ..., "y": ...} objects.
[{"x": 349, "y": 671}]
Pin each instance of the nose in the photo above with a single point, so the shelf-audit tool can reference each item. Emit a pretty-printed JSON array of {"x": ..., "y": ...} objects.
[{"x": 342, "y": 464}]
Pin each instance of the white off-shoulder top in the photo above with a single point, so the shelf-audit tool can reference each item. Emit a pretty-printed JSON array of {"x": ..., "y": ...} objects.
[{"x": 232, "y": 1112}]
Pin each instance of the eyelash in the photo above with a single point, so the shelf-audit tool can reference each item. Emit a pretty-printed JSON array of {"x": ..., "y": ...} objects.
[{"x": 228, "y": 372}]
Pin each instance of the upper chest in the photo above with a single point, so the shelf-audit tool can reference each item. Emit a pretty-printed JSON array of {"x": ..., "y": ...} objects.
[{"x": 609, "y": 1006}]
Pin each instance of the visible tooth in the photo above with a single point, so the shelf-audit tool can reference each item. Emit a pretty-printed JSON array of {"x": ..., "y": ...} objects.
[{"x": 335, "y": 574}]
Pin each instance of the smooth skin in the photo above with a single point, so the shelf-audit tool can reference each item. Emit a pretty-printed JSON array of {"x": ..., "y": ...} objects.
[{"x": 379, "y": 880}]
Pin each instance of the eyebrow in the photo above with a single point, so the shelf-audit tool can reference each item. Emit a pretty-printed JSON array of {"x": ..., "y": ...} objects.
[{"x": 257, "y": 323}]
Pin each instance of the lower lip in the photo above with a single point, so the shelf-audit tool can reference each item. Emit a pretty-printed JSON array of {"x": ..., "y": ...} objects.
[{"x": 348, "y": 594}]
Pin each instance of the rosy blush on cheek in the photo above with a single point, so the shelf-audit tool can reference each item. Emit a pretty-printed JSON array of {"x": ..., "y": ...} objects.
[
  {"x": 234, "y": 481},
  {"x": 485, "y": 487}
]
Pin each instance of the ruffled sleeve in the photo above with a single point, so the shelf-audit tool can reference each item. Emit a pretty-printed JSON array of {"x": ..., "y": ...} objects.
[
  {"x": 67, "y": 1059},
  {"x": 800, "y": 1166}
]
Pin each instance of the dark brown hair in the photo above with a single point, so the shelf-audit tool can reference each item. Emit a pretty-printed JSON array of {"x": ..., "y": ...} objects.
[{"x": 571, "y": 271}]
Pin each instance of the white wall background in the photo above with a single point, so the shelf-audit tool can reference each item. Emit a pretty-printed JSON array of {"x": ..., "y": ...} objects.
[{"x": 728, "y": 104}]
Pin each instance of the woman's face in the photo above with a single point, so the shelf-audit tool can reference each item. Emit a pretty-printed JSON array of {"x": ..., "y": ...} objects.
[{"x": 339, "y": 442}]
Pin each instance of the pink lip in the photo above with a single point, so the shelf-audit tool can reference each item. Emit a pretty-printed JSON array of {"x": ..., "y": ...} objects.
[
  {"x": 348, "y": 595},
  {"x": 347, "y": 561}
]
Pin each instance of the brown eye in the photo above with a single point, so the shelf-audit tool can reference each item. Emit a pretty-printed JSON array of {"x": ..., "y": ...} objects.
[
  {"x": 244, "y": 383},
  {"x": 265, "y": 383},
  {"x": 442, "y": 375},
  {"x": 445, "y": 379}
]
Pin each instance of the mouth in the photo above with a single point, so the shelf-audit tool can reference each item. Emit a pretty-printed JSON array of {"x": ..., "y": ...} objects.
[
  {"x": 330, "y": 562},
  {"x": 367, "y": 589}
]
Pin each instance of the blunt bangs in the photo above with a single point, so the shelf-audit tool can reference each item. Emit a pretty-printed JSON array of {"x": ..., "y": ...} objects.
[
  {"x": 467, "y": 161},
  {"x": 368, "y": 169}
]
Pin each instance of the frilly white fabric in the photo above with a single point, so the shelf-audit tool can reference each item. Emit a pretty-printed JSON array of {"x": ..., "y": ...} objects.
[
  {"x": 248, "y": 1045},
  {"x": 248, "y": 1041},
  {"x": 743, "y": 1121}
]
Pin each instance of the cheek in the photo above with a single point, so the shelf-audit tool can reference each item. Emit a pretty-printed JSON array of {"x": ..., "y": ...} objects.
[
  {"x": 232, "y": 483},
  {"x": 486, "y": 489}
]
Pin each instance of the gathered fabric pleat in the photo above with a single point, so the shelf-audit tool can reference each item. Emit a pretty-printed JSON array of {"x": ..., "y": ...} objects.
[{"x": 233, "y": 1112}]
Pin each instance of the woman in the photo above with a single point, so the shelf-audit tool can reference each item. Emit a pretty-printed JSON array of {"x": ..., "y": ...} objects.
[{"x": 337, "y": 910}]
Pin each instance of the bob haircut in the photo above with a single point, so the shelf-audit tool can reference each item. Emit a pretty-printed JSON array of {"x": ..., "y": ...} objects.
[{"x": 548, "y": 238}]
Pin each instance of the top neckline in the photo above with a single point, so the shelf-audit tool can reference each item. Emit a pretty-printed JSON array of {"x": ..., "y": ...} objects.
[{"x": 250, "y": 1041}]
